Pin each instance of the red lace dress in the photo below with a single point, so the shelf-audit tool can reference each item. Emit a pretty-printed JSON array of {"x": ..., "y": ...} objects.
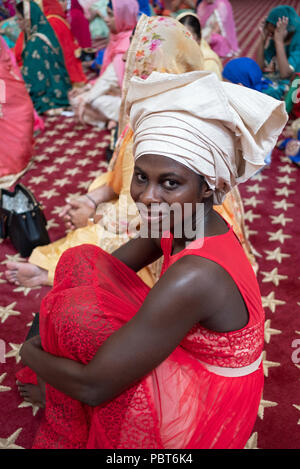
[{"x": 185, "y": 402}]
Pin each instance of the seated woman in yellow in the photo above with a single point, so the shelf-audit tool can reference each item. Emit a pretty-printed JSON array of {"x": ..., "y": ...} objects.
[
  {"x": 212, "y": 62},
  {"x": 157, "y": 45}
]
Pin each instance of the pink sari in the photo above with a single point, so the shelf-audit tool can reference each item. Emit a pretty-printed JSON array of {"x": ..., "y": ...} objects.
[
  {"x": 125, "y": 13},
  {"x": 16, "y": 116},
  {"x": 224, "y": 44}
]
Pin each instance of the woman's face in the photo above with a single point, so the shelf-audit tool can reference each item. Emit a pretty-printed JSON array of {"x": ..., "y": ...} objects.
[
  {"x": 110, "y": 21},
  {"x": 166, "y": 192},
  {"x": 270, "y": 29}
]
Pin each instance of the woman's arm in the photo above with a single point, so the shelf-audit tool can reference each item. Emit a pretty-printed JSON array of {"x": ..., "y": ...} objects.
[
  {"x": 285, "y": 69},
  {"x": 173, "y": 306}
]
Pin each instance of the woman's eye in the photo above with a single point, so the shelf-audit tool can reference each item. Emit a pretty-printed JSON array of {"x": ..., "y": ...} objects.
[
  {"x": 140, "y": 177},
  {"x": 170, "y": 184}
]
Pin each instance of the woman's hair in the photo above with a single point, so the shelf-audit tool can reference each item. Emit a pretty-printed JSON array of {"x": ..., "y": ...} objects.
[
  {"x": 20, "y": 8},
  {"x": 193, "y": 23}
]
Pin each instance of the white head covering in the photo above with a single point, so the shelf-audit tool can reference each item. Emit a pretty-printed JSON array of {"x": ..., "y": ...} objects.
[{"x": 219, "y": 130}]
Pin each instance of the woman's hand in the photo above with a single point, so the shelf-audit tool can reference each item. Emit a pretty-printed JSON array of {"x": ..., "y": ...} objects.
[
  {"x": 262, "y": 30},
  {"x": 281, "y": 29},
  {"x": 77, "y": 212}
]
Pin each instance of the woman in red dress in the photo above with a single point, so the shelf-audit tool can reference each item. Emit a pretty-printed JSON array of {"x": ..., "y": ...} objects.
[{"x": 177, "y": 366}]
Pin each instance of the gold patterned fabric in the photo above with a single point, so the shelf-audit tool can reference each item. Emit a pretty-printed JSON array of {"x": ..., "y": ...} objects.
[{"x": 44, "y": 70}]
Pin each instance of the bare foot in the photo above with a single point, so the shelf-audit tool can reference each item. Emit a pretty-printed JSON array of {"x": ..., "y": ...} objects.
[
  {"x": 35, "y": 394},
  {"x": 26, "y": 274}
]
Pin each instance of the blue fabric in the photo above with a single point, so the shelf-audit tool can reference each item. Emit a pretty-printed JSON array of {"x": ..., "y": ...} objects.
[
  {"x": 144, "y": 7},
  {"x": 247, "y": 72}
]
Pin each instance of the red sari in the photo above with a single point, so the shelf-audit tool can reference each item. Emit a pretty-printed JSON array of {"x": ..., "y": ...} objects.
[
  {"x": 56, "y": 17},
  {"x": 185, "y": 402}
]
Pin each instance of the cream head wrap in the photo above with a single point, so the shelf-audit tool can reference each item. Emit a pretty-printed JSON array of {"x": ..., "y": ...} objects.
[{"x": 219, "y": 130}]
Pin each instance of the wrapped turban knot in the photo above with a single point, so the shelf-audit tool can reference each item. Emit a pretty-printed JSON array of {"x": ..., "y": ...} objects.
[{"x": 219, "y": 130}]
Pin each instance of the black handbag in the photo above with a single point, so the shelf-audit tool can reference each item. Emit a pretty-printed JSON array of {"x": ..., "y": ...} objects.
[{"x": 22, "y": 220}]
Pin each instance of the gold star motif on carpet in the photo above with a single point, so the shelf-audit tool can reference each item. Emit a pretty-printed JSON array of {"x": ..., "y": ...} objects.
[
  {"x": 2, "y": 280},
  {"x": 282, "y": 204},
  {"x": 37, "y": 179},
  {"x": 51, "y": 223},
  {"x": 12, "y": 258},
  {"x": 298, "y": 408},
  {"x": 49, "y": 194},
  {"x": 92, "y": 153},
  {"x": 273, "y": 276},
  {"x": 51, "y": 149},
  {"x": 41, "y": 158},
  {"x": 9, "y": 443},
  {"x": 264, "y": 404},
  {"x": 250, "y": 216},
  {"x": 7, "y": 311},
  {"x": 61, "y": 141},
  {"x": 255, "y": 188},
  {"x": 50, "y": 169},
  {"x": 268, "y": 364},
  {"x": 101, "y": 144},
  {"x": 252, "y": 442},
  {"x": 72, "y": 151},
  {"x": 35, "y": 408},
  {"x": 61, "y": 182},
  {"x": 250, "y": 232},
  {"x": 278, "y": 236},
  {"x": 15, "y": 352},
  {"x": 276, "y": 255},
  {"x": 259, "y": 177},
  {"x": 269, "y": 331},
  {"x": 252, "y": 201},
  {"x": 287, "y": 168},
  {"x": 84, "y": 185},
  {"x": 270, "y": 302},
  {"x": 280, "y": 219},
  {"x": 61, "y": 159},
  {"x": 285, "y": 179},
  {"x": 83, "y": 161},
  {"x": 3, "y": 388},
  {"x": 25, "y": 290},
  {"x": 70, "y": 134},
  {"x": 284, "y": 191},
  {"x": 72, "y": 171},
  {"x": 81, "y": 143}
]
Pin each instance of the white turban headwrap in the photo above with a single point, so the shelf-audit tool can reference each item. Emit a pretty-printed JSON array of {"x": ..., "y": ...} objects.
[{"x": 219, "y": 130}]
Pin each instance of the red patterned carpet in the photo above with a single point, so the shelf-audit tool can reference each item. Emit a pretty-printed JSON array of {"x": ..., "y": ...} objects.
[{"x": 68, "y": 157}]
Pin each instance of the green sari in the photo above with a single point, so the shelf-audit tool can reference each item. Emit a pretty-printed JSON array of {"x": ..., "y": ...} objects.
[
  {"x": 44, "y": 70},
  {"x": 280, "y": 87}
]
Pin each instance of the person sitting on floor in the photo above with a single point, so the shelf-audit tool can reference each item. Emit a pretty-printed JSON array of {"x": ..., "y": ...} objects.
[
  {"x": 278, "y": 54},
  {"x": 180, "y": 365},
  {"x": 43, "y": 70},
  {"x": 108, "y": 199},
  {"x": 212, "y": 62},
  {"x": 99, "y": 103},
  {"x": 218, "y": 26},
  {"x": 56, "y": 17}
]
